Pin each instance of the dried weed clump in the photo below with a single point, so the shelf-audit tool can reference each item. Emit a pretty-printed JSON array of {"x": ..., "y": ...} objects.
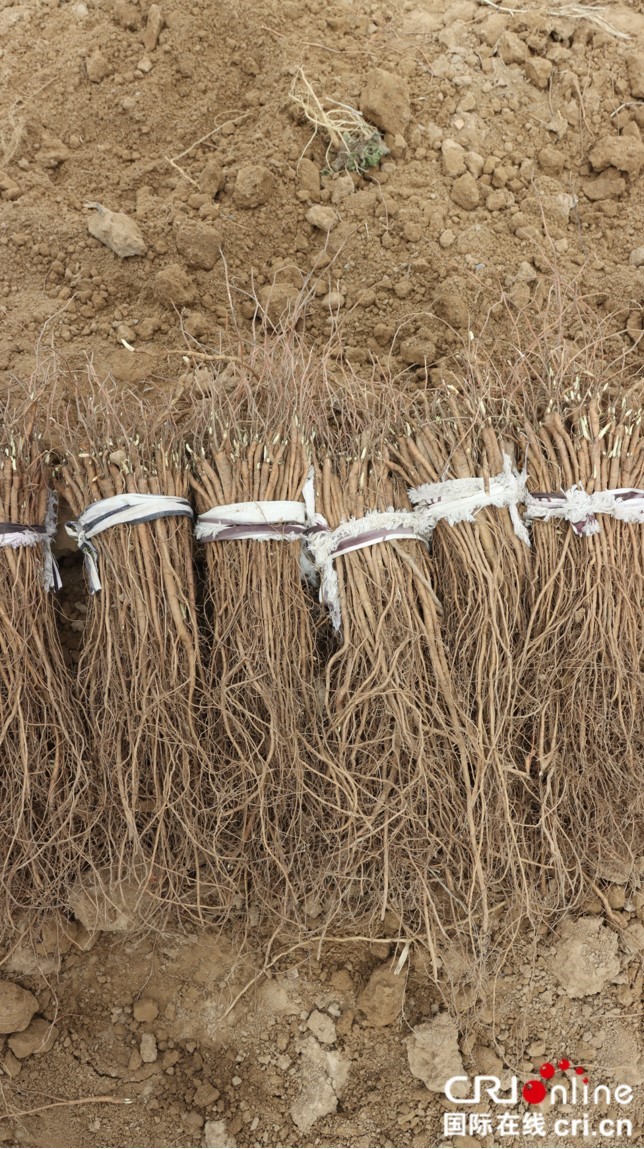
[{"x": 354, "y": 145}]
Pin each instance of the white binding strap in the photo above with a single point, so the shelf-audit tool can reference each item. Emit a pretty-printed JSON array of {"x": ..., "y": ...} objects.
[
  {"x": 265, "y": 520},
  {"x": 291, "y": 521},
  {"x": 322, "y": 546},
  {"x": 580, "y": 509},
  {"x": 113, "y": 512},
  {"x": 458, "y": 500},
  {"x": 16, "y": 535}
]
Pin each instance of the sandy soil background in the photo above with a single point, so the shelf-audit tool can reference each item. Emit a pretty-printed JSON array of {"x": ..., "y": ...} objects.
[{"x": 515, "y": 148}]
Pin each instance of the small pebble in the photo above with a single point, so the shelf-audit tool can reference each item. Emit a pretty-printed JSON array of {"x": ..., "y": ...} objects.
[
  {"x": 322, "y": 1026},
  {"x": 146, "y": 1009},
  {"x": 148, "y": 1048},
  {"x": 321, "y": 217},
  {"x": 334, "y": 300},
  {"x": 116, "y": 230}
]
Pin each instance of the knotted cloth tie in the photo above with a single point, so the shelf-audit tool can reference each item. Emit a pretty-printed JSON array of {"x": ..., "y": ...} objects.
[
  {"x": 322, "y": 546},
  {"x": 113, "y": 512},
  {"x": 291, "y": 521},
  {"x": 580, "y": 509},
  {"x": 458, "y": 500},
  {"x": 19, "y": 535}
]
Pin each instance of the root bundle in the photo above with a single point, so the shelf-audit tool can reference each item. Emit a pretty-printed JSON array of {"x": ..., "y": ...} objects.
[
  {"x": 402, "y": 839},
  {"x": 262, "y": 714},
  {"x": 44, "y": 780},
  {"x": 479, "y": 570},
  {"x": 580, "y": 675},
  {"x": 138, "y": 670}
]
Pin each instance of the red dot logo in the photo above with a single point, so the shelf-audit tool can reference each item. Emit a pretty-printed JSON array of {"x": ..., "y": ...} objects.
[{"x": 534, "y": 1092}]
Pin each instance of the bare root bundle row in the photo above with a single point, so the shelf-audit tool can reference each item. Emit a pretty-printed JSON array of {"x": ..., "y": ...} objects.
[
  {"x": 545, "y": 650},
  {"x": 453, "y": 745},
  {"x": 579, "y": 680},
  {"x": 137, "y": 679},
  {"x": 44, "y": 779}
]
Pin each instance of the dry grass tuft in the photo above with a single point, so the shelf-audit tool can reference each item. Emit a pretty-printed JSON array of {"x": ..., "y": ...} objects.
[{"x": 354, "y": 144}]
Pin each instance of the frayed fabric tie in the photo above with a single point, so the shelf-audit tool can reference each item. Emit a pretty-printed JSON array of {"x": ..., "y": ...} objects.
[
  {"x": 459, "y": 500},
  {"x": 113, "y": 512},
  {"x": 291, "y": 521},
  {"x": 581, "y": 509},
  {"x": 323, "y": 546},
  {"x": 456, "y": 500},
  {"x": 18, "y": 535}
]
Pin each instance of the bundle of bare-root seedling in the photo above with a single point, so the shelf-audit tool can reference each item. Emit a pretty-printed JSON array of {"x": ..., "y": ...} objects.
[
  {"x": 405, "y": 839},
  {"x": 464, "y": 470},
  {"x": 139, "y": 664},
  {"x": 263, "y": 800},
  {"x": 545, "y": 640},
  {"x": 567, "y": 390},
  {"x": 580, "y": 675},
  {"x": 44, "y": 778},
  {"x": 346, "y": 760}
]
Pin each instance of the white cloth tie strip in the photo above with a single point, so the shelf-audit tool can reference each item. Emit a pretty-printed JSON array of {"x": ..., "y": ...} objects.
[
  {"x": 581, "y": 509},
  {"x": 322, "y": 546},
  {"x": 458, "y": 500},
  {"x": 264, "y": 520},
  {"x": 291, "y": 521},
  {"x": 17, "y": 535},
  {"x": 113, "y": 512}
]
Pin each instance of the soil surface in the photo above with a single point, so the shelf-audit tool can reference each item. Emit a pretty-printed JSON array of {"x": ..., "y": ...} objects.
[
  {"x": 514, "y": 139},
  {"x": 514, "y": 150}
]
